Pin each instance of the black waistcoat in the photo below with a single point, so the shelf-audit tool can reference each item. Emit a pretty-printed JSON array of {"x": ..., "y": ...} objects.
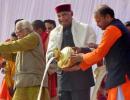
[{"x": 118, "y": 58}]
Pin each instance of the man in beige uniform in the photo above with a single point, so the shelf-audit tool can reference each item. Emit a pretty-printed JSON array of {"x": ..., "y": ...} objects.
[{"x": 30, "y": 63}]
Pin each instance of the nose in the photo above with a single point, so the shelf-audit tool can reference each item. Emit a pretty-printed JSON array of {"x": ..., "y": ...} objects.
[{"x": 61, "y": 18}]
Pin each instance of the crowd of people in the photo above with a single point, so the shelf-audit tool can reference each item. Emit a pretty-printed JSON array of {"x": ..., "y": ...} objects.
[{"x": 24, "y": 57}]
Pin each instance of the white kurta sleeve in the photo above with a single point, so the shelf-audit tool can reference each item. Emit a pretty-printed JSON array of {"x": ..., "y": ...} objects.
[{"x": 51, "y": 46}]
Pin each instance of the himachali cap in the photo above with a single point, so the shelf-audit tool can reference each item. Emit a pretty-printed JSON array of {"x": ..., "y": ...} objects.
[{"x": 63, "y": 7}]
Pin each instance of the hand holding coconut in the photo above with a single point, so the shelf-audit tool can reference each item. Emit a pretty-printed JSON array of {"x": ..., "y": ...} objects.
[{"x": 68, "y": 59}]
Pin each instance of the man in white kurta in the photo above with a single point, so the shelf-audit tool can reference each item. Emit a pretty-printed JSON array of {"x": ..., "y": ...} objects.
[{"x": 73, "y": 84}]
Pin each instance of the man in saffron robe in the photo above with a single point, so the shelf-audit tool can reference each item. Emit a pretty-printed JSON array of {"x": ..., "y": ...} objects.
[{"x": 115, "y": 47}]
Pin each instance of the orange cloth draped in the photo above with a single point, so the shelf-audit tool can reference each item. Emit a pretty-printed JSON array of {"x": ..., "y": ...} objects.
[
  {"x": 4, "y": 91},
  {"x": 112, "y": 93},
  {"x": 110, "y": 36},
  {"x": 8, "y": 81},
  {"x": 10, "y": 71}
]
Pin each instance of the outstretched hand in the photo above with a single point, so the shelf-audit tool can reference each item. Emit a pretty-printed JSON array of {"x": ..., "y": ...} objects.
[{"x": 75, "y": 59}]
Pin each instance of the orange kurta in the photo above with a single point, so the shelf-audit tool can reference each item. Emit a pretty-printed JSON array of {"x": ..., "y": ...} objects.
[
  {"x": 4, "y": 91},
  {"x": 110, "y": 36}
]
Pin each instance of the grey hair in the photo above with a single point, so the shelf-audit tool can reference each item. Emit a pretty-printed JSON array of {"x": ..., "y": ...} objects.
[{"x": 24, "y": 24}]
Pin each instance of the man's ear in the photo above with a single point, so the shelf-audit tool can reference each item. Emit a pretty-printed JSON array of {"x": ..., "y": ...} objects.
[{"x": 108, "y": 16}]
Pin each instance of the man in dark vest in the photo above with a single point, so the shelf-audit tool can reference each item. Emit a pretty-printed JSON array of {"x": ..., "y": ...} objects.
[
  {"x": 115, "y": 47},
  {"x": 74, "y": 84}
]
